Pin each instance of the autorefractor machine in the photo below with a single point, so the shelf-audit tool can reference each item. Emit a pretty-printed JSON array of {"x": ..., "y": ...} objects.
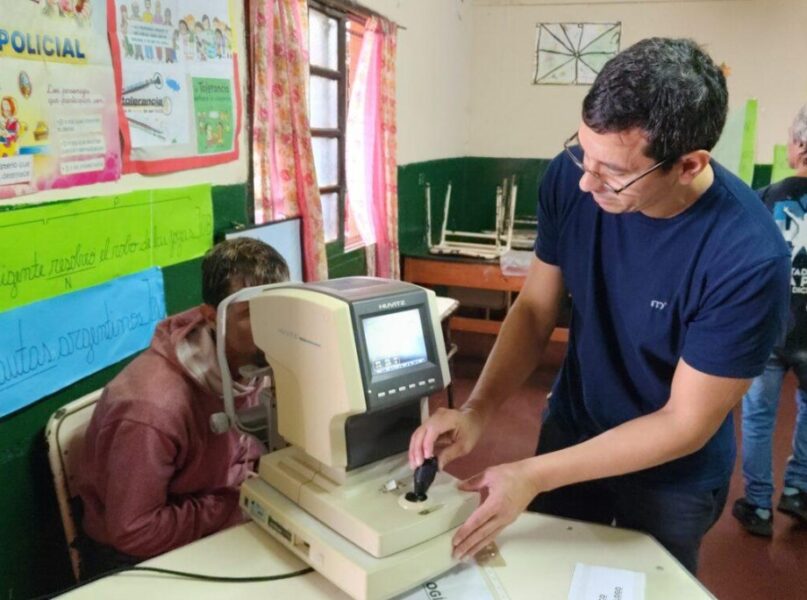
[{"x": 352, "y": 364}]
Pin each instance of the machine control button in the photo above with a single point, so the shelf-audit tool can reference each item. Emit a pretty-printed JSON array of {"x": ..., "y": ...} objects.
[
  {"x": 402, "y": 388},
  {"x": 382, "y": 394},
  {"x": 421, "y": 383},
  {"x": 392, "y": 391},
  {"x": 431, "y": 380}
]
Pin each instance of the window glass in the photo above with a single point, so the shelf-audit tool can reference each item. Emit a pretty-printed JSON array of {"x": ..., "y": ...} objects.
[
  {"x": 323, "y": 98},
  {"x": 326, "y": 160},
  {"x": 333, "y": 65},
  {"x": 322, "y": 31},
  {"x": 330, "y": 216}
]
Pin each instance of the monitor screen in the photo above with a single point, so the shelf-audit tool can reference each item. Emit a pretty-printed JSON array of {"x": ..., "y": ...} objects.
[
  {"x": 394, "y": 341},
  {"x": 283, "y": 236}
]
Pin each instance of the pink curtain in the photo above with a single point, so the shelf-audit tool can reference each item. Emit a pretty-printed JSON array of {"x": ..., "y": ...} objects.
[
  {"x": 371, "y": 165},
  {"x": 283, "y": 162}
]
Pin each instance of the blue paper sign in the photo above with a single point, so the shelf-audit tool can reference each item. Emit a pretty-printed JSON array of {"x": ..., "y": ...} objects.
[{"x": 47, "y": 345}]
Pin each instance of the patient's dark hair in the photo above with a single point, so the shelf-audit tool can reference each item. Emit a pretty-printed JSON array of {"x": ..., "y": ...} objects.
[
  {"x": 669, "y": 88},
  {"x": 237, "y": 263}
]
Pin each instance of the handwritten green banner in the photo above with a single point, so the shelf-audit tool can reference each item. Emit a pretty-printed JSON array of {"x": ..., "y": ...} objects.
[{"x": 57, "y": 248}]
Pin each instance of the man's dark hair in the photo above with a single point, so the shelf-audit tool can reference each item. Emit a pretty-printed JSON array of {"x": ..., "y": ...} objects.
[
  {"x": 669, "y": 88},
  {"x": 237, "y": 263}
]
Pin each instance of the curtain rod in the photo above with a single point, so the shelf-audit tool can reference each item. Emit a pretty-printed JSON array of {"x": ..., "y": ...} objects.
[{"x": 355, "y": 9}]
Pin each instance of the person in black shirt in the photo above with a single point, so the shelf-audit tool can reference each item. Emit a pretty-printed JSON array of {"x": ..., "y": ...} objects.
[{"x": 787, "y": 200}]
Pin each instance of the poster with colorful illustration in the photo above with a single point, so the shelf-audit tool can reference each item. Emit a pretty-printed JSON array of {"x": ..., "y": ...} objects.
[
  {"x": 177, "y": 77},
  {"x": 213, "y": 108},
  {"x": 58, "y": 112}
]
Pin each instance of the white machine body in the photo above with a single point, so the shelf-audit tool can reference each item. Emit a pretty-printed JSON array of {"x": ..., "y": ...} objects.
[{"x": 352, "y": 359}]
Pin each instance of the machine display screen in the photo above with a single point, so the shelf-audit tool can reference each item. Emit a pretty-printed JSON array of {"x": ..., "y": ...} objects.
[{"x": 395, "y": 341}]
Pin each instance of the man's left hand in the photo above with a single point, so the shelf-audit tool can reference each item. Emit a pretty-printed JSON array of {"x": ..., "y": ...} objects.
[{"x": 506, "y": 491}]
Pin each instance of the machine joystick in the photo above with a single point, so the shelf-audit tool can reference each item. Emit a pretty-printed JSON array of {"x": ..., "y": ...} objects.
[{"x": 424, "y": 476}]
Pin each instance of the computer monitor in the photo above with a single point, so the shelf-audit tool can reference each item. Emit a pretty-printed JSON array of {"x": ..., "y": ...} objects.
[{"x": 283, "y": 236}]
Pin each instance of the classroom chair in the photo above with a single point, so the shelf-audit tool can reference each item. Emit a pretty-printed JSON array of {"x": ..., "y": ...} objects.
[{"x": 65, "y": 437}]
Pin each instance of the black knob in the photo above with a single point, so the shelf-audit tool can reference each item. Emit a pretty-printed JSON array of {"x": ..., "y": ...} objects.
[{"x": 424, "y": 476}]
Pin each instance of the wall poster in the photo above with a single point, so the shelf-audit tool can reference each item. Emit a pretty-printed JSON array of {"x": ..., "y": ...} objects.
[
  {"x": 177, "y": 77},
  {"x": 573, "y": 53},
  {"x": 58, "y": 115}
]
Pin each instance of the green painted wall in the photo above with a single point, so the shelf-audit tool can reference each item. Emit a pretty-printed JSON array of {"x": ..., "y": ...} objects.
[
  {"x": 412, "y": 180},
  {"x": 347, "y": 264},
  {"x": 33, "y": 555},
  {"x": 762, "y": 176},
  {"x": 473, "y": 195}
]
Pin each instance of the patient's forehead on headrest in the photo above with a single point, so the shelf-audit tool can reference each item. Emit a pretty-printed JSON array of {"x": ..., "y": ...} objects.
[{"x": 238, "y": 263}]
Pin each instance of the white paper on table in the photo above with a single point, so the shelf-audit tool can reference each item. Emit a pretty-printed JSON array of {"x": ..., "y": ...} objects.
[
  {"x": 463, "y": 581},
  {"x": 590, "y": 582}
]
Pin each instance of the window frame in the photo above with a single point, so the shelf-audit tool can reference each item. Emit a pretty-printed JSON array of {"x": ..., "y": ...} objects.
[{"x": 347, "y": 238}]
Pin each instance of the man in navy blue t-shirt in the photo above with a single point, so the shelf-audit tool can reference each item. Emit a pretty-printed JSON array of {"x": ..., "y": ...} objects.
[{"x": 679, "y": 284}]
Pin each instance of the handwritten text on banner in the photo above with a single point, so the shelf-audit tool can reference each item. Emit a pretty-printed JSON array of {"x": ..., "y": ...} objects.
[
  {"x": 47, "y": 345},
  {"x": 50, "y": 250}
]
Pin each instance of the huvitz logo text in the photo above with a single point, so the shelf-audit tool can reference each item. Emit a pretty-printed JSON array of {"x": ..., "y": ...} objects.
[{"x": 395, "y": 304}]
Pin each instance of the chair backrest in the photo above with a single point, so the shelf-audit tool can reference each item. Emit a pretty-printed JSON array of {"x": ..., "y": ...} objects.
[{"x": 65, "y": 437}]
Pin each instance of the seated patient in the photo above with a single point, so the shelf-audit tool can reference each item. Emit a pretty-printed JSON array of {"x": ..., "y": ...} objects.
[{"x": 153, "y": 475}]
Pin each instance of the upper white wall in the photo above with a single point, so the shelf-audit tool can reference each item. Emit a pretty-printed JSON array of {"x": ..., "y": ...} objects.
[
  {"x": 762, "y": 42},
  {"x": 433, "y": 76}
]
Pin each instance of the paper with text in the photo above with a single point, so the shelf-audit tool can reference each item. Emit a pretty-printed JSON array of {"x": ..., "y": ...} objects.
[
  {"x": 463, "y": 581},
  {"x": 590, "y": 582}
]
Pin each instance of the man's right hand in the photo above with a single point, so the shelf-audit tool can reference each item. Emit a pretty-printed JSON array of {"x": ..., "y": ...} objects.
[{"x": 448, "y": 433}]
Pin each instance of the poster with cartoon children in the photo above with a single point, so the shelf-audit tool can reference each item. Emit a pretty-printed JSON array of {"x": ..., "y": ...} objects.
[
  {"x": 58, "y": 115},
  {"x": 167, "y": 53}
]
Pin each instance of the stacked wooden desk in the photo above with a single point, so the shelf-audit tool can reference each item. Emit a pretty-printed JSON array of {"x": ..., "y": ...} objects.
[{"x": 469, "y": 273}]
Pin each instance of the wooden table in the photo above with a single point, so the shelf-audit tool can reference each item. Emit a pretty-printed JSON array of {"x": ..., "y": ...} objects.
[{"x": 468, "y": 273}]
